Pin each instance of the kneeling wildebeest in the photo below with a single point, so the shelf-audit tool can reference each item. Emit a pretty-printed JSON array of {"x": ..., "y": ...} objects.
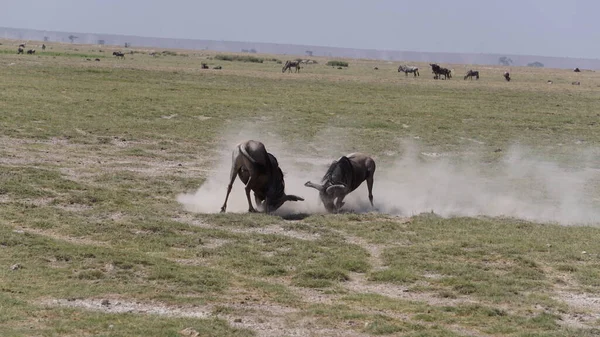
[
  {"x": 344, "y": 176},
  {"x": 260, "y": 172}
]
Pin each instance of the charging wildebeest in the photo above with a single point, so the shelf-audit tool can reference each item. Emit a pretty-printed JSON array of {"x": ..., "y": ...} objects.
[
  {"x": 118, "y": 54},
  {"x": 472, "y": 73},
  {"x": 409, "y": 69},
  {"x": 507, "y": 76},
  {"x": 289, "y": 64},
  {"x": 260, "y": 172},
  {"x": 344, "y": 176}
]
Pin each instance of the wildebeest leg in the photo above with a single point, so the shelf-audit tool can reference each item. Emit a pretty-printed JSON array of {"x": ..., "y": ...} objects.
[
  {"x": 370, "y": 187},
  {"x": 234, "y": 171},
  {"x": 248, "y": 189}
]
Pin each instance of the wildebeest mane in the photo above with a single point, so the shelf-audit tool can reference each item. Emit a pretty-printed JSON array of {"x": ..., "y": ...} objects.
[{"x": 339, "y": 172}]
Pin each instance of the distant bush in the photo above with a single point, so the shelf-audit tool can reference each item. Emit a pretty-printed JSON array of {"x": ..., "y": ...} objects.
[
  {"x": 273, "y": 60},
  {"x": 169, "y": 53},
  {"x": 337, "y": 63},
  {"x": 239, "y": 58},
  {"x": 536, "y": 65}
]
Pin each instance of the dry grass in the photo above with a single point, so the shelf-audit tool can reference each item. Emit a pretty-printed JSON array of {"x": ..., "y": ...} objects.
[{"x": 93, "y": 157}]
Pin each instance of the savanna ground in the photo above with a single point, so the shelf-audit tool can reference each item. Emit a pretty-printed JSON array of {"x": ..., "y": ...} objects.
[{"x": 93, "y": 240}]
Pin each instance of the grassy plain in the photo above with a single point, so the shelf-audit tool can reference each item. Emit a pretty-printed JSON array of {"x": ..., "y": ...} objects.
[{"x": 94, "y": 242}]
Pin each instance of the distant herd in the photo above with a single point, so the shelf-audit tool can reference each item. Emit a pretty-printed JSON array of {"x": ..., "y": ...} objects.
[{"x": 438, "y": 71}]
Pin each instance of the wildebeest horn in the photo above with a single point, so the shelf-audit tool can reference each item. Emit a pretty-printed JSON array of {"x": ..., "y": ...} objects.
[
  {"x": 291, "y": 197},
  {"x": 313, "y": 185},
  {"x": 334, "y": 188}
]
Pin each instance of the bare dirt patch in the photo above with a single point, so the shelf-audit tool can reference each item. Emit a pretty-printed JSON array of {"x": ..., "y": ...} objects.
[{"x": 586, "y": 309}]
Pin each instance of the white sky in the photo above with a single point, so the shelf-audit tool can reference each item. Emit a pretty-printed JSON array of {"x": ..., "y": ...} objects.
[{"x": 534, "y": 27}]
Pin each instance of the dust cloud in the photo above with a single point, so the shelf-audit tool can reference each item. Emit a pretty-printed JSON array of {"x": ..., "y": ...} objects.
[{"x": 409, "y": 182}]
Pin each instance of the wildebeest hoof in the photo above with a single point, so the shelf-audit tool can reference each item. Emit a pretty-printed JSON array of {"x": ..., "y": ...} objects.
[{"x": 252, "y": 210}]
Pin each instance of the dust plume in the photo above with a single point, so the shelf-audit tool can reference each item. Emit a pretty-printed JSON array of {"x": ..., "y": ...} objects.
[{"x": 410, "y": 182}]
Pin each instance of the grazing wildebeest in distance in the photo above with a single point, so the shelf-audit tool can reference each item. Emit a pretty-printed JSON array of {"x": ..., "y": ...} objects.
[
  {"x": 409, "y": 69},
  {"x": 20, "y": 50},
  {"x": 31, "y": 51},
  {"x": 375, "y": 68},
  {"x": 439, "y": 71},
  {"x": 97, "y": 60},
  {"x": 260, "y": 172},
  {"x": 204, "y": 66},
  {"x": 289, "y": 64},
  {"x": 118, "y": 54},
  {"x": 344, "y": 176},
  {"x": 577, "y": 70},
  {"x": 472, "y": 73},
  {"x": 576, "y": 83},
  {"x": 218, "y": 67},
  {"x": 507, "y": 76}
]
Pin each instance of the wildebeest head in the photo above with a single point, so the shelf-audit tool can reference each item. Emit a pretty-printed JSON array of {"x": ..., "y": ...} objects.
[
  {"x": 335, "y": 184},
  {"x": 275, "y": 190}
]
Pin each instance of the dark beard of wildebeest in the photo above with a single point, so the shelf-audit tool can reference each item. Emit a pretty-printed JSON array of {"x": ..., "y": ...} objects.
[
  {"x": 344, "y": 176},
  {"x": 289, "y": 64},
  {"x": 260, "y": 172},
  {"x": 409, "y": 69},
  {"x": 439, "y": 71},
  {"x": 472, "y": 73}
]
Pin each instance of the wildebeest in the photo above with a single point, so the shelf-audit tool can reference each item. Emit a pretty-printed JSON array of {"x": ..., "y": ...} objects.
[
  {"x": 472, "y": 73},
  {"x": 344, "y": 176},
  {"x": 97, "y": 60},
  {"x": 577, "y": 70},
  {"x": 218, "y": 67},
  {"x": 409, "y": 69},
  {"x": 439, "y": 71},
  {"x": 31, "y": 51},
  {"x": 204, "y": 66},
  {"x": 22, "y": 45},
  {"x": 260, "y": 172},
  {"x": 576, "y": 83},
  {"x": 375, "y": 68},
  {"x": 43, "y": 47},
  {"x": 20, "y": 50},
  {"x": 507, "y": 76},
  {"x": 289, "y": 64},
  {"x": 118, "y": 54}
]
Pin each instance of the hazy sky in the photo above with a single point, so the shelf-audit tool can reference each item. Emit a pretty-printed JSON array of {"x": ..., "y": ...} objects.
[{"x": 538, "y": 27}]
